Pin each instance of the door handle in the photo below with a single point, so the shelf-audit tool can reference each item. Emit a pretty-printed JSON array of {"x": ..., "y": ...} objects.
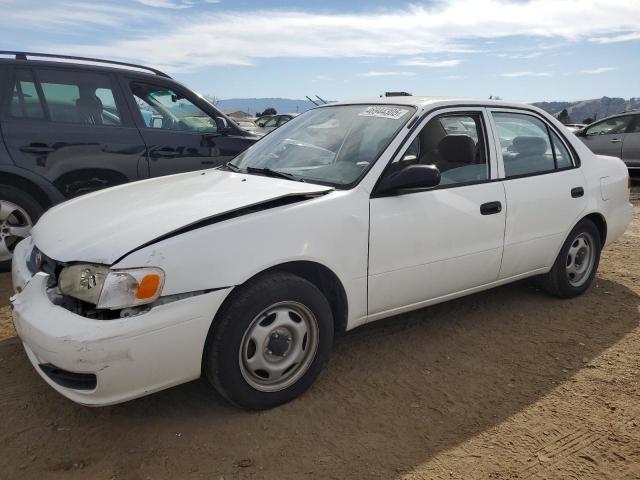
[
  {"x": 490, "y": 208},
  {"x": 164, "y": 153},
  {"x": 37, "y": 148},
  {"x": 615, "y": 140},
  {"x": 577, "y": 192}
]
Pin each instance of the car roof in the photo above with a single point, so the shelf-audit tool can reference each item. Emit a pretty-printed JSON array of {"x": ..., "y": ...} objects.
[
  {"x": 433, "y": 102},
  {"x": 71, "y": 62}
]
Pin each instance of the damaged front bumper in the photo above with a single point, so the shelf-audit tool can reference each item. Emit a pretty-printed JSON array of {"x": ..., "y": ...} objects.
[{"x": 103, "y": 362}]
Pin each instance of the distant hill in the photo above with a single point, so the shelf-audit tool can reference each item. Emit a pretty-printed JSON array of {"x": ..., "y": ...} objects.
[
  {"x": 253, "y": 105},
  {"x": 595, "y": 108}
]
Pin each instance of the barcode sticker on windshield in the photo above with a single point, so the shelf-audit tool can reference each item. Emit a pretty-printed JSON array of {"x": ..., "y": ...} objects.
[{"x": 394, "y": 113}]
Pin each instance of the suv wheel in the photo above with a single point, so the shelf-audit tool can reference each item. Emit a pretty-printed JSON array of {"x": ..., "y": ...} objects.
[
  {"x": 18, "y": 213},
  {"x": 270, "y": 342}
]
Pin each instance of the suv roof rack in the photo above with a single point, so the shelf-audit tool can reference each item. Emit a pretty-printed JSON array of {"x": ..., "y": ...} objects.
[{"x": 25, "y": 55}]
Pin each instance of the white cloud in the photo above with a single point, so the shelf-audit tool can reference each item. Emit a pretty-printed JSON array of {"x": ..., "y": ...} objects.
[
  {"x": 172, "y": 4},
  {"x": 387, "y": 74},
  {"x": 163, "y": 4},
  {"x": 595, "y": 71},
  {"x": 421, "y": 62},
  {"x": 526, "y": 74},
  {"x": 627, "y": 37},
  {"x": 188, "y": 41},
  {"x": 519, "y": 56}
]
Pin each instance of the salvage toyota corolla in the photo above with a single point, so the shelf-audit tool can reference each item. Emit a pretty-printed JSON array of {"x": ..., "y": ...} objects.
[{"x": 346, "y": 214}]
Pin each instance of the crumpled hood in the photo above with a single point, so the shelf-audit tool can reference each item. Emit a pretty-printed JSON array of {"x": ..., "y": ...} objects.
[{"x": 103, "y": 226}]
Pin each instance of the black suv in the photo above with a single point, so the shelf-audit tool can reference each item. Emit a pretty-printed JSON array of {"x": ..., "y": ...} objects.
[{"x": 72, "y": 125}]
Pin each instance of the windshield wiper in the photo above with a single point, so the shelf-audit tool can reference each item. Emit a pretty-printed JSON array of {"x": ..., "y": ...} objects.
[
  {"x": 232, "y": 167},
  {"x": 274, "y": 173}
]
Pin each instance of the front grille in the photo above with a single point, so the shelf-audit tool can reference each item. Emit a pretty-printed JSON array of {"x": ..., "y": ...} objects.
[{"x": 39, "y": 262}]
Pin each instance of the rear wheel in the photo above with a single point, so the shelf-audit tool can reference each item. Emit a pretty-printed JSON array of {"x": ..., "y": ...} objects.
[
  {"x": 18, "y": 213},
  {"x": 270, "y": 341},
  {"x": 577, "y": 263}
]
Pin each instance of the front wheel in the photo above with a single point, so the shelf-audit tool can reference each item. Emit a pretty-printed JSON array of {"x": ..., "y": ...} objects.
[
  {"x": 270, "y": 342},
  {"x": 577, "y": 263}
]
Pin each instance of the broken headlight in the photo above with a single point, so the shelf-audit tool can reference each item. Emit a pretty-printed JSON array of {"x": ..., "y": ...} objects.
[{"x": 111, "y": 289}]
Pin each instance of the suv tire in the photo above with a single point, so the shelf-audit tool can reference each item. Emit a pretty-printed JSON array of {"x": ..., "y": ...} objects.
[{"x": 19, "y": 211}]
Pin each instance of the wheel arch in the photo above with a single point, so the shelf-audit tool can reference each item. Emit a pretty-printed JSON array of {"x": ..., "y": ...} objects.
[
  {"x": 41, "y": 195},
  {"x": 319, "y": 275},
  {"x": 601, "y": 224}
]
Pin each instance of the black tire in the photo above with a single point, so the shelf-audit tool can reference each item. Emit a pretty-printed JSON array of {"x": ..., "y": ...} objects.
[
  {"x": 222, "y": 353},
  {"x": 557, "y": 281},
  {"x": 24, "y": 201}
]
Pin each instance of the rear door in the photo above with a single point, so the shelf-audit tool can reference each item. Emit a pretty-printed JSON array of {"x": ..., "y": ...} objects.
[
  {"x": 631, "y": 145},
  {"x": 72, "y": 127},
  {"x": 606, "y": 137},
  {"x": 544, "y": 189},
  {"x": 182, "y": 132}
]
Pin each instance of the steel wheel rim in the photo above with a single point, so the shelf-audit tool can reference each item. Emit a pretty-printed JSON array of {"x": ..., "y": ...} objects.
[
  {"x": 580, "y": 259},
  {"x": 279, "y": 346},
  {"x": 15, "y": 224}
]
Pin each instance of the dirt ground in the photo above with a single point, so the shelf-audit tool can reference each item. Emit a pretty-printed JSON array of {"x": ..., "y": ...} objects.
[{"x": 505, "y": 384}]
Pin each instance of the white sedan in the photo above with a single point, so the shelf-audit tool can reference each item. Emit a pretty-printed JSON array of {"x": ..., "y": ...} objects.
[{"x": 347, "y": 214}]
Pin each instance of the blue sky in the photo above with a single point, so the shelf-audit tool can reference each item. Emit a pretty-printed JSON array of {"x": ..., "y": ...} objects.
[{"x": 520, "y": 50}]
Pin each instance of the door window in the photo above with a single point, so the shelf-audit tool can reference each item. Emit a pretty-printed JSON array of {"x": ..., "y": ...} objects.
[
  {"x": 25, "y": 101},
  {"x": 611, "y": 126},
  {"x": 272, "y": 122},
  {"x": 284, "y": 119},
  {"x": 454, "y": 143},
  {"x": 636, "y": 125},
  {"x": 563, "y": 158},
  {"x": 162, "y": 108},
  {"x": 526, "y": 145},
  {"x": 79, "y": 97}
]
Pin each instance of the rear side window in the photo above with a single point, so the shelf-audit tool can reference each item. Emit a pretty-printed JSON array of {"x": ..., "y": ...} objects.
[
  {"x": 79, "y": 97},
  {"x": 528, "y": 147},
  {"x": 25, "y": 101}
]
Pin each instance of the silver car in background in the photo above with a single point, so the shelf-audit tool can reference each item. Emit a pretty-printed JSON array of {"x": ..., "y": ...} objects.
[{"x": 618, "y": 136}]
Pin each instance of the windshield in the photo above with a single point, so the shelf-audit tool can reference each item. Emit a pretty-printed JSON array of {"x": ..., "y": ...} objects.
[{"x": 329, "y": 145}]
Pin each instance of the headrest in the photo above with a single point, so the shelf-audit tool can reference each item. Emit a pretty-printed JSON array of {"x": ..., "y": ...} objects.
[
  {"x": 457, "y": 148},
  {"x": 530, "y": 145}
]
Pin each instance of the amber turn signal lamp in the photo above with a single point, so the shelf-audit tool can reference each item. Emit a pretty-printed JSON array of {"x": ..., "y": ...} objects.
[{"x": 148, "y": 286}]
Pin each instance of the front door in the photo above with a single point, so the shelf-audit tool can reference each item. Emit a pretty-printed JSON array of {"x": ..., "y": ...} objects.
[
  {"x": 425, "y": 245},
  {"x": 180, "y": 136}
]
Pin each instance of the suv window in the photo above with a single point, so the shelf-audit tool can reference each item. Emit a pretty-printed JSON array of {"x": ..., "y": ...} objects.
[
  {"x": 79, "y": 97},
  {"x": 636, "y": 125},
  {"x": 526, "y": 145},
  {"x": 452, "y": 142},
  {"x": 162, "y": 108},
  {"x": 25, "y": 101},
  {"x": 610, "y": 126}
]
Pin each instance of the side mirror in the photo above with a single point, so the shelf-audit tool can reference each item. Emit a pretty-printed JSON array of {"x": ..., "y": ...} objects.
[
  {"x": 413, "y": 176},
  {"x": 223, "y": 125}
]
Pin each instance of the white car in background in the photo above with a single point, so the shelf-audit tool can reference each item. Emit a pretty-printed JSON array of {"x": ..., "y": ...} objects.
[{"x": 347, "y": 214}]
